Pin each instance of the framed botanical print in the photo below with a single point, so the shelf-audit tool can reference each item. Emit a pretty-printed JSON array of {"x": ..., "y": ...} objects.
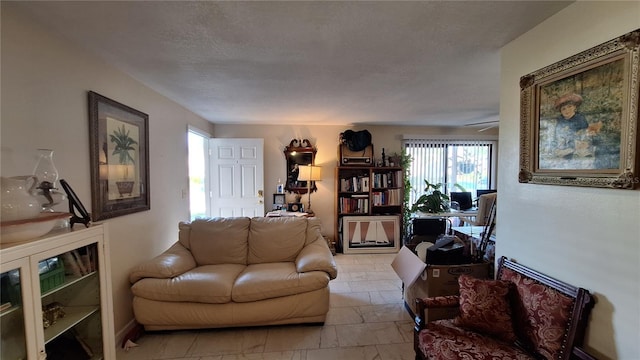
[
  {"x": 119, "y": 158},
  {"x": 579, "y": 118}
]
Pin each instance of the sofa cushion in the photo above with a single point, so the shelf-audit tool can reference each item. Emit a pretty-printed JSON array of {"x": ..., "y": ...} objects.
[
  {"x": 218, "y": 240},
  {"x": 272, "y": 280},
  {"x": 442, "y": 340},
  {"x": 205, "y": 284},
  {"x": 485, "y": 307},
  {"x": 276, "y": 239},
  {"x": 540, "y": 314}
]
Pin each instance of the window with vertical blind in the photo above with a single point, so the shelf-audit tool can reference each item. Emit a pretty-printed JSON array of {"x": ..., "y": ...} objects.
[{"x": 468, "y": 163}]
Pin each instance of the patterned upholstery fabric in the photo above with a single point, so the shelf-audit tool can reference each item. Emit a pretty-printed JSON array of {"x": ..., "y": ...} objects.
[
  {"x": 548, "y": 318},
  {"x": 442, "y": 301},
  {"x": 442, "y": 340},
  {"x": 485, "y": 307},
  {"x": 541, "y": 315}
]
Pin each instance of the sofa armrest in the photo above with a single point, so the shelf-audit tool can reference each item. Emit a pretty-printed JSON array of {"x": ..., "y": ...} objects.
[
  {"x": 436, "y": 302},
  {"x": 174, "y": 261},
  {"x": 317, "y": 257}
]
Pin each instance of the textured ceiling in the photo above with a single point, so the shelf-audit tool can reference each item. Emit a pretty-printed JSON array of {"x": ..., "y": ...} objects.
[{"x": 334, "y": 63}]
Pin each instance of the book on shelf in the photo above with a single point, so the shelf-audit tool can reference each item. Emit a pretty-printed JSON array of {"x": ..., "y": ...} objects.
[
  {"x": 394, "y": 197},
  {"x": 354, "y": 204}
]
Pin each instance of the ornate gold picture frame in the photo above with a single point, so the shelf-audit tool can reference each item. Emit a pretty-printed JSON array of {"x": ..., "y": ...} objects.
[{"x": 579, "y": 118}]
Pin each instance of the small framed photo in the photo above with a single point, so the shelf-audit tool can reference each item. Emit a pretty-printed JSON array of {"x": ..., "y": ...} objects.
[
  {"x": 278, "y": 201},
  {"x": 294, "y": 207}
]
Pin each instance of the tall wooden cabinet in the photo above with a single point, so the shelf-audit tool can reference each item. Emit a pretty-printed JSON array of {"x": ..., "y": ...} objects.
[
  {"x": 368, "y": 209},
  {"x": 56, "y": 297}
]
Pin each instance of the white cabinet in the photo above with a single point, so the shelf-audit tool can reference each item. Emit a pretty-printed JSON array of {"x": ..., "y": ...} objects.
[{"x": 59, "y": 291}]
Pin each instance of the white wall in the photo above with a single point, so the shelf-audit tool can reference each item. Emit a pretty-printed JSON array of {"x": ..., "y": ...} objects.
[
  {"x": 44, "y": 105},
  {"x": 588, "y": 237}
]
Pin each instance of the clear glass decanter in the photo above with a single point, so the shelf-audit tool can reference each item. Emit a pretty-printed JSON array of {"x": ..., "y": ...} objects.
[{"x": 47, "y": 178}]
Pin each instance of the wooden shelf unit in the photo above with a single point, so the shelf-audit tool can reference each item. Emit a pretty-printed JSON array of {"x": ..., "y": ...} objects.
[{"x": 368, "y": 191}]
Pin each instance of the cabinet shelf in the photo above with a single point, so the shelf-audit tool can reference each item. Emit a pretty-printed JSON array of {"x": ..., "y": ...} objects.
[
  {"x": 73, "y": 316},
  {"x": 9, "y": 311},
  {"x": 69, "y": 280}
]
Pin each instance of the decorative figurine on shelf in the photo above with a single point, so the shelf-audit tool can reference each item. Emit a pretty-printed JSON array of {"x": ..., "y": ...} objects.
[
  {"x": 280, "y": 187},
  {"x": 51, "y": 313}
]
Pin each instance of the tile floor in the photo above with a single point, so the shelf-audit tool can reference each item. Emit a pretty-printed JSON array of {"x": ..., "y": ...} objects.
[{"x": 367, "y": 320}]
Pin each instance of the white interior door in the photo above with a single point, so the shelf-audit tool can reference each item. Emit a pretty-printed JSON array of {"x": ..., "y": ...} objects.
[{"x": 237, "y": 177}]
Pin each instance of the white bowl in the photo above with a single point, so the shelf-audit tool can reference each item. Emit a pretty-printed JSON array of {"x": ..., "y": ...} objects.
[{"x": 27, "y": 229}]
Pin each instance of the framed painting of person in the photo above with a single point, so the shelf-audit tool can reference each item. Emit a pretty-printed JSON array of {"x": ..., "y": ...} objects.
[{"x": 579, "y": 118}]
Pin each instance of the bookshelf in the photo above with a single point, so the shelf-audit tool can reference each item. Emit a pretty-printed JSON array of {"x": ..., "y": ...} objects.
[{"x": 368, "y": 193}]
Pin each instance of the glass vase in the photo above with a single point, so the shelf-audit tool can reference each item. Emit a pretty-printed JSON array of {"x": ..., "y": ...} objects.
[{"x": 47, "y": 178}]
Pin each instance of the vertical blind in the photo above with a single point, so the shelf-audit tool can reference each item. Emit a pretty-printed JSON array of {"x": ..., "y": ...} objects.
[{"x": 467, "y": 163}]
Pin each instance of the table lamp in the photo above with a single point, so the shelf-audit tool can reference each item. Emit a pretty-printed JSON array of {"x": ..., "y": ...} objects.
[{"x": 309, "y": 173}]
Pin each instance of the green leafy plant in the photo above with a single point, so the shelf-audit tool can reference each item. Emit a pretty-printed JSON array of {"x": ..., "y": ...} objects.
[
  {"x": 433, "y": 200},
  {"x": 124, "y": 144},
  {"x": 405, "y": 162}
]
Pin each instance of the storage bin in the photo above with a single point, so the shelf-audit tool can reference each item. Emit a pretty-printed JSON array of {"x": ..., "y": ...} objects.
[{"x": 54, "y": 277}]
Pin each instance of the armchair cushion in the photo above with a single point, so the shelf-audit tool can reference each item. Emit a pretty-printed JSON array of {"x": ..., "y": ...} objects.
[
  {"x": 443, "y": 340},
  {"x": 485, "y": 308},
  {"x": 544, "y": 313}
]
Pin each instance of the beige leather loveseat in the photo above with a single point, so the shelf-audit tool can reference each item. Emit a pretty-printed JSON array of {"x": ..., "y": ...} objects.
[{"x": 227, "y": 272}]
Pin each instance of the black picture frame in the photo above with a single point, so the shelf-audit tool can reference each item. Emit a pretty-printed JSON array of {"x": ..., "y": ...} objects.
[
  {"x": 75, "y": 204},
  {"x": 279, "y": 201},
  {"x": 119, "y": 158}
]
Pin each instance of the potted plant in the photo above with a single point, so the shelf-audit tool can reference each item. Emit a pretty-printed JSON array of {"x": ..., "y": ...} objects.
[
  {"x": 124, "y": 144},
  {"x": 433, "y": 200}
]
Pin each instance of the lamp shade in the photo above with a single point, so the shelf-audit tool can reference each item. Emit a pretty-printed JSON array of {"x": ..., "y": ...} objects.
[{"x": 310, "y": 173}]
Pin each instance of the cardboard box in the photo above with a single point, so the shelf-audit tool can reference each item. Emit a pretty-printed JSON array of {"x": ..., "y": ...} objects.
[{"x": 421, "y": 280}]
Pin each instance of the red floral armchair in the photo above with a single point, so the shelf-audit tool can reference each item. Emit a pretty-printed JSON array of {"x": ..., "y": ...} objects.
[{"x": 522, "y": 315}]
